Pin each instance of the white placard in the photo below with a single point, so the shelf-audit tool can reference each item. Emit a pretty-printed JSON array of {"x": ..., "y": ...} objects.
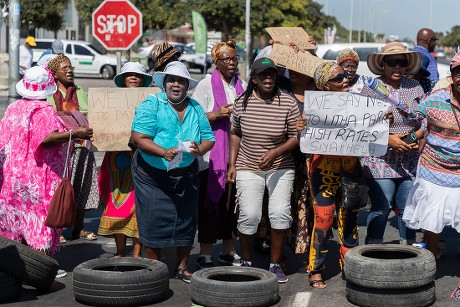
[{"x": 344, "y": 124}]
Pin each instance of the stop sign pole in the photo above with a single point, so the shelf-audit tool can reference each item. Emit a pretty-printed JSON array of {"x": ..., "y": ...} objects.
[{"x": 117, "y": 25}]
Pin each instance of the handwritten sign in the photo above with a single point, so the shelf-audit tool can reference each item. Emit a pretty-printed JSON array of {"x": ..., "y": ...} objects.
[
  {"x": 344, "y": 124},
  {"x": 302, "y": 62},
  {"x": 111, "y": 113},
  {"x": 288, "y": 35}
]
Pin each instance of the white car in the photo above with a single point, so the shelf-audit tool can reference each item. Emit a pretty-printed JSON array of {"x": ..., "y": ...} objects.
[{"x": 86, "y": 58}]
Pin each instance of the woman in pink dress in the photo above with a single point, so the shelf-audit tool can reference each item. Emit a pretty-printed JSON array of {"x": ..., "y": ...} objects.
[{"x": 32, "y": 158}]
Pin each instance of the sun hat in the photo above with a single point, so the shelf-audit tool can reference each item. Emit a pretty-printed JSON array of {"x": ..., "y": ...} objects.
[
  {"x": 133, "y": 67},
  {"x": 31, "y": 41},
  {"x": 455, "y": 61},
  {"x": 347, "y": 54},
  {"x": 57, "y": 46},
  {"x": 37, "y": 83},
  {"x": 162, "y": 53},
  {"x": 175, "y": 68},
  {"x": 262, "y": 64},
  {"x": 423, "y": 69},
  {"x": 374, "y": 60}
]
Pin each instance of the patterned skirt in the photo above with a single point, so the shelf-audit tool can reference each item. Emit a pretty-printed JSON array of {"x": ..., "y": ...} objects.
[{"x": 84, "y": 178}]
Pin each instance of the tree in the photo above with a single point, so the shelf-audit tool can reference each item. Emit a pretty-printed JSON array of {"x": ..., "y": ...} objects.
[
  {"x": 46, "y": 14},
  {"x": 451, "y": 39}
]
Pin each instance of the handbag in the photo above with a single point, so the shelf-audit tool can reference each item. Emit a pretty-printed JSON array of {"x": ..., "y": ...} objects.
[
  {"x": 354, "y": 193},
  {"x": 62, "y": 210}
]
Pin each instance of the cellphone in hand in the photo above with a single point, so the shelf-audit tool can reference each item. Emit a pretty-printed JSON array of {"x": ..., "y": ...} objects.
[{"x": 411, "y": 138}]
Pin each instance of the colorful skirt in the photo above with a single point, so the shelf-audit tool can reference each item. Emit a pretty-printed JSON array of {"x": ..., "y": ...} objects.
[{"x": 84, "y": 178}]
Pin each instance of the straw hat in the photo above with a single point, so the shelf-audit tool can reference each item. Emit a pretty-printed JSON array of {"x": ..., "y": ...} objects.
[
  {"x": 175, "y": 68},
  {"x": 374, "y": 60},
  {"x": 37, "y": 83},
  {"x": 133, "y": 67}
]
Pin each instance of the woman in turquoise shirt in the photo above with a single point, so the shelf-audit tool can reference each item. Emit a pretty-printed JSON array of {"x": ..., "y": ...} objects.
[{"x": 169, "y": 129}]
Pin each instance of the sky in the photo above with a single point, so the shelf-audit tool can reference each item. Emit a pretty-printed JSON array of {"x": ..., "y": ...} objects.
[{"x": 395, "y": 17}]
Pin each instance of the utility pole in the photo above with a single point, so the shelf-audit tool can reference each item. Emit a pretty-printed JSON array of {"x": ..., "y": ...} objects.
[
  {"x": 13, "y": 63},
  {"x": 248, "y": 37}
]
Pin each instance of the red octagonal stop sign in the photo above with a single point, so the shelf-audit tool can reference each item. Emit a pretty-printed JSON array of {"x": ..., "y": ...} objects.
[{"x": 117, "y": 24}]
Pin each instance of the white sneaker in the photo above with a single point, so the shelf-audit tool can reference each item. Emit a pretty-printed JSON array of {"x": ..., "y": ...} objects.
[{"x": 61, "y": 273}]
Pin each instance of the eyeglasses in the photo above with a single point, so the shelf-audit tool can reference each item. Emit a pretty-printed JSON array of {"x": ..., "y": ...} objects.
[
  {"x": 393, "y": 62},
  {"x": 434, "y": 40},
  {"x": 66, "y": 69},
  {"x": 228, "y": 60},
  {"x": 339, "y": 78}
]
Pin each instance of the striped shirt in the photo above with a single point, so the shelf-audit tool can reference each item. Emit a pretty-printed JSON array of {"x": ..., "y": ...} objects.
[{"x": 263, "y": 126}]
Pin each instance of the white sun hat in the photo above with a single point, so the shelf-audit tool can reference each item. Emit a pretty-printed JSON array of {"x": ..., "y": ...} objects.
[
  {"x": 37, "y": 83},
  {"x": 175, "y": 68},
  {"x": 133, "y": 67}
]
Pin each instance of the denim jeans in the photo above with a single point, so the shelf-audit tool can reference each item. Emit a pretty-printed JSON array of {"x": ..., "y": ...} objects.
[{"x": 383, "y": 193}]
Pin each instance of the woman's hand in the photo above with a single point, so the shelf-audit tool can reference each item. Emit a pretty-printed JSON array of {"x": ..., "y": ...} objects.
[
  {"x": 266, "y": 160},
  {"x": 195, "y": 150},
  {"x": 300, "y": 124},
  {"x": 395, "y": 142},
  {"x": 83, "y": 132},
  {"x": 231, "y": 174},
  {"x": 224, "y": 111},
  {"x": 390, "y": 117},
  {"x": 170, "y": 153}
]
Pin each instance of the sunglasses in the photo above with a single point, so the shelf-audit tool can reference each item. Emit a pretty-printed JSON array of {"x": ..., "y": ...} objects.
[
  {"x": 394, "y": 62},
  {"x": 339, "y": 78}
]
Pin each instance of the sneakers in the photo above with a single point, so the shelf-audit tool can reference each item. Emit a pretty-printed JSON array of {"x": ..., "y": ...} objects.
[
  {"x": 205, "y": 261},
  {"x": 276, "y": 269},
  {"x": 61, "y": 273},
  {"x": 244, "y": 263},
  {"x": 183, "y": 274},
  {"x": 231, "y": 258}
]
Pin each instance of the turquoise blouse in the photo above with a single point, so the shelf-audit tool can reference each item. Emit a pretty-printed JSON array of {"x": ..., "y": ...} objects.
[{"x": 157, "y": 118}]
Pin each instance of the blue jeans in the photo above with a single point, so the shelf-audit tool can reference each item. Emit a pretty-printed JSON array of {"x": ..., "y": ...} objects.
[{"x": 383, "y": 193}]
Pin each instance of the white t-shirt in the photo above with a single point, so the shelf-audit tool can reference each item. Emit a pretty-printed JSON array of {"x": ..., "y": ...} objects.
[
  {"x": 25, "y": 58},
  {"x": 204, "y": 96}
]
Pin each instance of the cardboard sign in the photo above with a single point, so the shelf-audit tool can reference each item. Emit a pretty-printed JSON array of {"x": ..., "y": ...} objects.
[
  {"x": 302, "y": 62},
  {"x": 111, "y": 113},
  {"x": 344, "y": 124},
  {"x": 288, "y": 35}
]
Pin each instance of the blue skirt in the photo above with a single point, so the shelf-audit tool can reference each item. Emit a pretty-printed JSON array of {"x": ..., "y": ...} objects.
[{"x": 166, "y": 204}]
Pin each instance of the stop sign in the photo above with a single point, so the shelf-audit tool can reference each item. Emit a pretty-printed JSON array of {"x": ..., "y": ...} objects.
[{"x": 117, "y": 24}]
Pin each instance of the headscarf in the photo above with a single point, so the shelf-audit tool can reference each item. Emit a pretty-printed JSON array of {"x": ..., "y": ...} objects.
[
  {"x": 323, "y": 73},
  {"x": 347, "y": 54},
  {"x": 163, "y": 53},
  {"x": 220, "y": 48},
  {"x": 70, "y": 102}
]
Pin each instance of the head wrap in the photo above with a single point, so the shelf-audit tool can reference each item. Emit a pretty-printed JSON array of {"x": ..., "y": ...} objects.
[
  {"x": 162, "y": 54},
  {"x": 55, "y": 63},
  {"x": 323, "y": 73},
  {"x": 220, "y": 48},
  {"x": 347, "y": 54}
]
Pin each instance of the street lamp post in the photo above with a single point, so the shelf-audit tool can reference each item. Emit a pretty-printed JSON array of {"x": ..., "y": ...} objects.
[{"x": 248, "y": 37}]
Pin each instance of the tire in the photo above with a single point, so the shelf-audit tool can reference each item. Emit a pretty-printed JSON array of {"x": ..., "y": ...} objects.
[
  {"x": 26, "y": 264},
  {"x": 120, "y": 281},
  {"x": 107, "y": 72},
  {"x": 389, "y": 266},
  {"x": 367, "y": 297},
  {"x": 10, "y": 287},
  {"x": 234, "y": 286}
]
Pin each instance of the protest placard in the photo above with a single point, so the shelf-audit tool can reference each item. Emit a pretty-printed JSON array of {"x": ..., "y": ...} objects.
[
  {"x": 288, "y": 35},
  {"x": 344, "y": 124},
  {"x": 111, "y": 113},
  {"x": 302, "y": 62}
]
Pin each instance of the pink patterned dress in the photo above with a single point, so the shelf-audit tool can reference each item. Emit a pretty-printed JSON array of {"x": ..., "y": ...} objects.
[{"x": 29, "y": 173}]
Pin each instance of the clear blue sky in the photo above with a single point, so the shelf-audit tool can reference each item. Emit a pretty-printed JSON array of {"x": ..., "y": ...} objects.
[{"x": 395, "y": 17}]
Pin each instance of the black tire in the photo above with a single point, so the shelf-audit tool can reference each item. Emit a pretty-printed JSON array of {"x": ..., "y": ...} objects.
[
  {"x": 26, "y": 264},
  {"x": 234, "y": 286},
  {"x": 107, "y": 72},
  {"x": 10, "y": 287},
  {"x": 389, "y": 266},
  {"x": 367, "y": 297},
  {"x": 120, "y": 281}
]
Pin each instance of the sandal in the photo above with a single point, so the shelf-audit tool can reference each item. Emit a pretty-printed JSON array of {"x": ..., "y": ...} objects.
[
  {"x": 87, "y": 235},
  {"x": 62, "y": 240},
  {"x": 316, "y": 283}
]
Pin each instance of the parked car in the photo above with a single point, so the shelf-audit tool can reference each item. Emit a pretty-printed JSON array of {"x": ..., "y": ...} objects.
[
  {"x": 86, "y": 58},
  {"x": 188, "y": 56}
]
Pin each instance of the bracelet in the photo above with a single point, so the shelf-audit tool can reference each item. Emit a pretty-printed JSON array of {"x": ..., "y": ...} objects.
[{"x": 70, "y": 134}]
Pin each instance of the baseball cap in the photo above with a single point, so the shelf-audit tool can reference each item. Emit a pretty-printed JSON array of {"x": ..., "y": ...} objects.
[
  {"x": 262, "y": 64},
  {"x": 31, "y": 41},
  {"x": 57, "y": 46}
]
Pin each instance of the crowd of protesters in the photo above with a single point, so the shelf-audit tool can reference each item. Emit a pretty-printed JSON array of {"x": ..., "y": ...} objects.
[{"x": 242, "y": 154}]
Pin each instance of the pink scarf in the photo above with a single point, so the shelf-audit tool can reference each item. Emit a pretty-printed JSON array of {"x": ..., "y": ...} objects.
[{"x": 218, "y": 157}]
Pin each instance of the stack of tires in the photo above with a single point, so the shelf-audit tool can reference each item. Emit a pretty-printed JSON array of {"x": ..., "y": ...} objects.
[
  {"x": 390, "y": 275},
  {"x": 19, "y": 263}
]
